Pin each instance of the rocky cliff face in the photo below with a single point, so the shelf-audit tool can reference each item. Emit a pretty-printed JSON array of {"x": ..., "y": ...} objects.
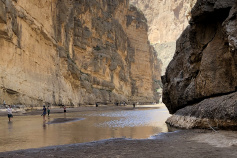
[
  {"x": 200, "y": 82},
  {"x": 75, "y": 52},
  {"x": 166, "y": 19}
]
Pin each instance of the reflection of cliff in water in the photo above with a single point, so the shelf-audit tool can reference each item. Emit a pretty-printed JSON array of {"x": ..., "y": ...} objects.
[{"x": 30, "y": 131}]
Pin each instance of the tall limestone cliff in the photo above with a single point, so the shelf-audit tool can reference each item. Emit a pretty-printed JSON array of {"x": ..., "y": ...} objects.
[
  {"x": 200, "y": 82},
  {"x": 166, "y": 20},
  {"x": 69, "y": 52}
]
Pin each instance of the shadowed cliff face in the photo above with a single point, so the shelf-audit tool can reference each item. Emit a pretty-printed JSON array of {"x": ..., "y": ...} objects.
[
  {"x": 75, "y": 52},
  {"x": 201, "y": 78}
]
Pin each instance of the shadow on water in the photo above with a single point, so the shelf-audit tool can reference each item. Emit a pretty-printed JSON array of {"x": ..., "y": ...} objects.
[
  {"x": 64, "y": 120},
  {"x": 32, "y": 132}
]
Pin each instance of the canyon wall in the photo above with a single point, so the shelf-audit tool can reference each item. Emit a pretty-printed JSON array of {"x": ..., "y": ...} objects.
[
  {"x": 61, "y": 52},
  {"x": 200, "y": 82},
  {"x": 166, "y": 20}
]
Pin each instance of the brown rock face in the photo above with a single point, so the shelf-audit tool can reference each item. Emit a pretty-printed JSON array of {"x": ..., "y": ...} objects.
[
  {"x": 75, "y": 52},
  {"x": 204, "y": 66},
  {"x": 166, "y": 20}
]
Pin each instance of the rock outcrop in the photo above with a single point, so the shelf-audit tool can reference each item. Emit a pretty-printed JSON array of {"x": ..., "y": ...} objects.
[
  {"x": 200, "y": 82},
  {"x": 65, "y": 52},
  {"x": 166, "y": 20}
]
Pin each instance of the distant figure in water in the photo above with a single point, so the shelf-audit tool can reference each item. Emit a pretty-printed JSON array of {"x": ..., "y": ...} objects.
[
  {"x": 4, "y": 103},
  {"x": 64, "y": 108},
  {"x": 9, "y": 112},
  {"x": 96, "y": 105},
  {"x": 134, "y": 105},
  {"x": 48, "y": 110},
  {"x": 44, "y": 112}
]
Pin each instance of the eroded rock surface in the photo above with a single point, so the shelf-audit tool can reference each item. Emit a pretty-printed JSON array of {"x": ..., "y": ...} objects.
[
  {"x": 203, "y": 69},
  {"x": 75, "y": 52},
  {"x": 166, "y": 20}
]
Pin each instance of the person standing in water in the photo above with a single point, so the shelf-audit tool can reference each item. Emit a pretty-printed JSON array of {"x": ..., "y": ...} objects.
[
  {"x": 48, "y": 110},
  {"x": 134, "y": 105},
  {"x": 9, "y": 112},
  {"x": 64, "y": 108},
  {"x": 44, "y": 112}
]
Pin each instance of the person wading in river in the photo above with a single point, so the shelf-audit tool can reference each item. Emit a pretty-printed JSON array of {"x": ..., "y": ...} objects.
[
  {"x": 64, "y": 109},
  {"x": 48, "y": 110},
  {"x": 134, "y": 105},
  {"x": 44, "y": 112},
  {"x": 9, "y": 112}
]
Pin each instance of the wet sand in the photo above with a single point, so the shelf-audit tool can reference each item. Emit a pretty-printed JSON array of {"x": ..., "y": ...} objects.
[
  {"x": 181, "y": 144},
  {"x": 167, "y": 145}
]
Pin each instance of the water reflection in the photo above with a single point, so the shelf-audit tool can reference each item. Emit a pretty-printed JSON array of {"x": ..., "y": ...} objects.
[
  {"x": 30, "y": 132},
  {"x": 9, "y": 127},
  {"x": 44, "y": 125}
]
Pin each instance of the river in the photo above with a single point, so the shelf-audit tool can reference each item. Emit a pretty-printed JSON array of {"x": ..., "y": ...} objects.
[{"x": 30, "y": 131}]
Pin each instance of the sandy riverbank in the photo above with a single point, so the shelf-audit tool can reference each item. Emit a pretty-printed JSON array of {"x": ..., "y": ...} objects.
[{"x": 182, "y": 144}]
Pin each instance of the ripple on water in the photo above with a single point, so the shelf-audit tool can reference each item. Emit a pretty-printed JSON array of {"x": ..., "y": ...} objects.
[{"x": 133, "y": 118}]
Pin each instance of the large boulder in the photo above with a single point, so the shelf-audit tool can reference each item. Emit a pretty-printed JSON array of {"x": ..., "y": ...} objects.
[{"x": 204, "y": 64}]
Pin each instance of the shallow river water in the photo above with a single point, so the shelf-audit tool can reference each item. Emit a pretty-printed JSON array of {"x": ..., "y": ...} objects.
[{"x": 26, "y": 132}]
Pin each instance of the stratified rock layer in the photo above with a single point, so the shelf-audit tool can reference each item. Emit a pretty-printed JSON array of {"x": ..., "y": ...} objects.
[
  {"x": 166, "y": 20},
  {"x": 204, "y": 67},
  {"x": 75, "y": 52}
]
